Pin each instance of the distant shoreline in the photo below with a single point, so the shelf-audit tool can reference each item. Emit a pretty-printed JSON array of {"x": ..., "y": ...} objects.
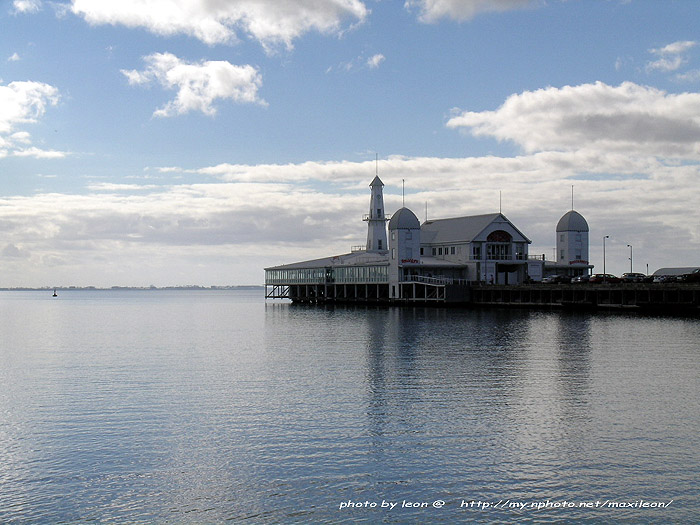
[{"x": 138, "y": 288}]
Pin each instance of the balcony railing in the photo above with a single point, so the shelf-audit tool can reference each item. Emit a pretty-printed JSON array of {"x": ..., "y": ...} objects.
[
  {"x": 434, "y": 280},
  {"x": 516, "y": 257}
]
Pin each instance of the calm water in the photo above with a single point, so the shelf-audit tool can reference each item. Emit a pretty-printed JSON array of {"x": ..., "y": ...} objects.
[{"x": 201, "y": 407}]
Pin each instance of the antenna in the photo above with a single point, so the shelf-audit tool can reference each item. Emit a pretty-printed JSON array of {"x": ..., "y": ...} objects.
[
  {"x": 376, "y": 164},
  {"x": 500, "y": 207},
  {"x": 403, "y": 193},
  {"x": 572, "y": 196},
  {"x": 426, "y": 211}
]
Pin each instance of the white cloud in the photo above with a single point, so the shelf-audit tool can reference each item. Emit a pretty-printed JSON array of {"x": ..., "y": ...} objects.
[
  {"x": 671, "y": 56},
  {"x": 675, "y": 48},
  {"x": 24, "y": 103},
  {"x": 358, "y": 63},
  {"x": 26, "y": 6},
  {"x": 13, "y": 58},
  {"x": 39, "y": 153},
  {"x": 198, "y": 85},
  {"x": 689, "y": 76},
  {"x": 374, "y": 61},
  {"x": 462, "y": 10},
  {"x": 217, "y": 21},
  {"x": 626, "y": 118}
]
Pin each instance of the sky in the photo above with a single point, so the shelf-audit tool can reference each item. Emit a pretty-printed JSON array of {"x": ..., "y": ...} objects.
[{"x": 196, "y": 142}]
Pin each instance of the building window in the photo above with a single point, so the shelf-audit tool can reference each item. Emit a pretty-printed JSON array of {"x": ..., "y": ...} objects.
[
  {"x": 393, "y": 236},
  {"x": 379, "y": 213},
  {"x": 393, "y": 253},
  {"x": 440, "y": 251},
  {"x": 434, "y": 251},
  {"x": 409, "y": 235},
  {"x": 561, "y": 255},
  {"x": 477, "y": 252},
  {"x": 561, "y": 237},
  {"x": 379, "y": 244},
  {"x": 452, "y": 250}
]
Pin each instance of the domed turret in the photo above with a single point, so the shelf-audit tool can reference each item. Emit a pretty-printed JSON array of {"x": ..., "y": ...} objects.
[
  {"x": 572, "y": 239},
  {"x": 404, "y": 247},
  {"x": 404, "y": 219},
  {"x": 572, "y": 221}
]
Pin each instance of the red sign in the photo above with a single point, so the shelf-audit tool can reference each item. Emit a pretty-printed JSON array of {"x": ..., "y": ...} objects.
[
  {"x": 412, "y": 261},
  {"x": 578, "y": 262}
]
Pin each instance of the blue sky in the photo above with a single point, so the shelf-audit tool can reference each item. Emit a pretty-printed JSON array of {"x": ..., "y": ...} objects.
[{"x": 196, "y": 142}]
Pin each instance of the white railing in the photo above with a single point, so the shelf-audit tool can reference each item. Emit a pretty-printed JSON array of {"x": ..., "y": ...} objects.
[{"x": 437, "y": 281}]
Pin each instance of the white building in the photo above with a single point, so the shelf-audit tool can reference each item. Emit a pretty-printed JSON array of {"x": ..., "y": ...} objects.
[{"x": 445, "y": 252}]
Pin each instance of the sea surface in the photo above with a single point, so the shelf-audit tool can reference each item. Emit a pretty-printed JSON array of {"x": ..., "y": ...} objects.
[{"x": 172, "y": 406}]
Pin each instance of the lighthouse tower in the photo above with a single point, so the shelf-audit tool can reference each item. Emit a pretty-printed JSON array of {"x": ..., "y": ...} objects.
[{"x": 376, "y": 220}]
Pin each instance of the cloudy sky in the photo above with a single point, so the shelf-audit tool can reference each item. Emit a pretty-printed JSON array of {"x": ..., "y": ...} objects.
[{"x": 175, "y": 142}]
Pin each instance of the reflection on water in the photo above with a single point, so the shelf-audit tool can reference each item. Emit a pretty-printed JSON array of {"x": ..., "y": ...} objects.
[{"x": 208, "y": 406}]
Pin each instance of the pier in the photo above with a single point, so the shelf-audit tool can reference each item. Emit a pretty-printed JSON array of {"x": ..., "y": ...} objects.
[{"x": 627, "y": 296}]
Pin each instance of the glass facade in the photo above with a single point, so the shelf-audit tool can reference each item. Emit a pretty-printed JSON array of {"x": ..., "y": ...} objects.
[{"x": 334, "y": 275}]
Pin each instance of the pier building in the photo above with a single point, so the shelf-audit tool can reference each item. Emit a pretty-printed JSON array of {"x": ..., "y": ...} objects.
[
  {"x": 416, "y": 262},
  {"x": 479, "y": 260}
]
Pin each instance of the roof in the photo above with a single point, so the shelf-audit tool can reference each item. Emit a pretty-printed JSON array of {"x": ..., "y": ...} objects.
[
  {"x": 572, "y": 221},
  {"x": 347, "y": 259},
  {"x": 460, "y": 229},
  {"x": 404, "y": 219},
  {"x": 376, "y": 181},
  {"x": 675, "y": 271}
]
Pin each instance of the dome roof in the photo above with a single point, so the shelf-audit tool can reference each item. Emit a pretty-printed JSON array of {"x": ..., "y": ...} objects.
[
  {"x": 572, "y": 221},
  {"x": 404, "y": 219}
]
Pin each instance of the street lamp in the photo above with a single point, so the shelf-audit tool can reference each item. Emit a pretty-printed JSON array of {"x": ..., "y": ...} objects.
[
  {"x": 630, "y": 247},
  {"x": 604, "y": 273}
]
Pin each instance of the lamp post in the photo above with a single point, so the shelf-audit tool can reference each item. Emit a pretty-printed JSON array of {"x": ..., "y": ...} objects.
[
  {"x": 604, "y": 273},
  {"x": 630, "y": 247}
]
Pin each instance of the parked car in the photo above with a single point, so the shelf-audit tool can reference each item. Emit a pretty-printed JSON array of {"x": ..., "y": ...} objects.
[
  {"x": 664, "y": 278},
  {"x": 604, "y": 278},
  {"x": 555, "y": 279},
  {"x": 633, "y": 277},
  {"x": 692, "y": 277},
  {"x": 580, "y": 279}
]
